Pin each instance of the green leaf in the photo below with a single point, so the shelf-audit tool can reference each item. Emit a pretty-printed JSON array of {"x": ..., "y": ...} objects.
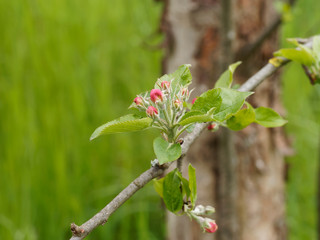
[
  {"x": 180, "y": 78},
  {"x": 172, "y": 195},
  {"x": 241, "y": 119},
  {"x": 192, "y": 184},
  {"x": 196, "y": 116},
  {"x": 208, "y": 100},
  {"x": 226, "y": 78},
  {"x": 268, "y": 117},
  {"x": 158, "y": 186},
  {"x": 301, "y": 55},
  {"x": 128, "y": 123},
  {"x": 166, "y": 152},
  {"x": 232, "y": 101},
  {"x": 185, "y": 187},
  {"x": 316, "y": 47}
]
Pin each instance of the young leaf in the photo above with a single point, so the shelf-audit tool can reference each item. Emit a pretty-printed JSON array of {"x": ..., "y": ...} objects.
[
  {"x": 226, "y": 78},
  {"x": 302, "y": 56},
  {"x": 158, "y": 186},
  {"x": 241, "y": 119},
  {"x": 127, "y": 123},
  {"x": 166, "y": 152},
  {"x": 268, "y": 118},
  {"x": 185, "y": 187},
  {"x": 208, "y": 100},
  {"x": 196, "y": 116},
  {"x": 192, "y": 184},
  {"x": 172, "y": 195},
  {"x": 232, "y": 101},
  {"x": 180, "y": 78}
]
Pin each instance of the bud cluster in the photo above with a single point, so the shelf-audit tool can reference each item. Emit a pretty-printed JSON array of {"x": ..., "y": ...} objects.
[
  {"x": 164, "y": 105},
  {"x": 199, "y": 214}
]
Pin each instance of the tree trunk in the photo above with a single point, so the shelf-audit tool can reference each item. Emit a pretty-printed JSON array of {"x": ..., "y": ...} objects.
[{"x": 241, "y": 174}]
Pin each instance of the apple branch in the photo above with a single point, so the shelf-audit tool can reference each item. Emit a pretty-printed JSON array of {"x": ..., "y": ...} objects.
[{"x": 80, "y": 232}]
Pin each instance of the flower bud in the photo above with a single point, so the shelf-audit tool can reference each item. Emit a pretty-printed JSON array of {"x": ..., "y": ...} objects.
[
  {"x": 199, "y": 210},
  {"x": 193, "y": 100},
  {"x": 138, "y": 100},
  {"x": 151, "y": 111},
  {"x": 165, "y": 84},
  {"x": 210, "y": 225},
  {"x": 177, "y": 103},
  {"x": 212, "y": 126},
  {"x": 209, "y": 210},
  {"x": 185, "y": 92},
  {"x": 155, "y": 95}
]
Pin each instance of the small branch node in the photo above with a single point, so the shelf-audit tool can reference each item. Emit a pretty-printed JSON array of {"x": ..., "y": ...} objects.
[{"x": 76, "y": 230}]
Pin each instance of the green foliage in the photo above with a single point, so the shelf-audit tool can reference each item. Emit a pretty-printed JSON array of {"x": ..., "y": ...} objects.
[
  {"x": 308, "y": 58},
  {"x": 165, "y": 151},
  {"x": 262, "y": 115},
  {"x": 128, "y": 123},
  {"x": 192, "y": 184},
  {"x": 268, "y": 118},
  {"x": 181, "y": 77},
  {"x": 172, "y": 195},
  {"x": 226, "y": 78},
  {"x": 197, "y": 116},
  {"x": 176, "y": 190},
  {"x": 242, "y": 119}
]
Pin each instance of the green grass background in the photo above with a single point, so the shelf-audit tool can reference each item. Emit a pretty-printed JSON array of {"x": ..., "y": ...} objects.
[
  {"x": 67, "y": 67},
  {"x": 302, "y": 101}
]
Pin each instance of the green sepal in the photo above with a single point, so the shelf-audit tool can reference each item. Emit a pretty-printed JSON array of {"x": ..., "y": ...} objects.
[{"x": 127, "y": 123}]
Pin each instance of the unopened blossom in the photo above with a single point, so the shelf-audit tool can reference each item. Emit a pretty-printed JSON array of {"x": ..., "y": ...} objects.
[
  {"x": 165, "y": 84},
  {"x": 138, "y": 100},
  {"x": 185, "y": 92},
  {"x": 151, "y": 111},
  {"x": 212, "y": 126},
  {"x": 177, "y": 103},
  {"x": 211, "y": 225},
  {"x": 155, "y": 95},
  {"x": 193, "y": 100}
]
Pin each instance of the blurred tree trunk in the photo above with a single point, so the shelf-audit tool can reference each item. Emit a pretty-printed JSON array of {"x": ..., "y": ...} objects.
[{"x": 240, "y": 174}]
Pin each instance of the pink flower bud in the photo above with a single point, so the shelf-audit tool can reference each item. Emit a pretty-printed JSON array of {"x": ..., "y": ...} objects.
[
  {"x": 212, "y": 126},
  {"x": 138, "y": 100},
  {"x": 165, "y": 84},
  {"x": 185, "y": 92},
  {"x": 155, "y": 95},
  {"x": 193, "y": 100},
  {"x": 151, "y": 111},
  {"x": 211, "y": 226},
  {"x": 177, "y": 103}
]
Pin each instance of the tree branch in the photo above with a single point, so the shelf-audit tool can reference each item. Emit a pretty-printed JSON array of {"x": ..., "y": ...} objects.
[{"x": 80, "y": 232}]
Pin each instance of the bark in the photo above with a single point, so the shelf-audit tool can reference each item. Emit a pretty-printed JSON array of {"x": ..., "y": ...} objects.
[{"x": 240, "y": 174}]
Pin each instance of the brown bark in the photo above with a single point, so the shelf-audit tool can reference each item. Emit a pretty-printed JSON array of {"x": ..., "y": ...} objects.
[{"x": 241, "y": 174}]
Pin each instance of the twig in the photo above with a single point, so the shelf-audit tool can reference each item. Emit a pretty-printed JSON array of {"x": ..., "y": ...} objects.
[{"x": 80, "y": 232}]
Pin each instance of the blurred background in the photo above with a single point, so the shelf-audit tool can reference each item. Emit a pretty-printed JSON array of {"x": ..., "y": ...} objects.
[{"x": 66, "y": 67}]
